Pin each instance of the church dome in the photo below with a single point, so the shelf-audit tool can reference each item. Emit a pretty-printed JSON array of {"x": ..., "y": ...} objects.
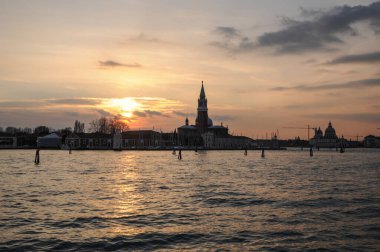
[
  {"x": 330, "y": 132},
  {"x": 209, "y": 122}
]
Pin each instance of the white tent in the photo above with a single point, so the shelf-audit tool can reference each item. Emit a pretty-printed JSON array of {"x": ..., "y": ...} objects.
[{"x": 49, "y": 141}]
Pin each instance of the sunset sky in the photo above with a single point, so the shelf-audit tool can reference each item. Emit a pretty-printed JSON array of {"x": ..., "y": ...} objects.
[{"x": 266, "y": 65}]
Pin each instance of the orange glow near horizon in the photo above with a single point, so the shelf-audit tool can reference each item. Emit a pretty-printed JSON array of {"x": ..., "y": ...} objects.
[{"x": 124, "y": 106}]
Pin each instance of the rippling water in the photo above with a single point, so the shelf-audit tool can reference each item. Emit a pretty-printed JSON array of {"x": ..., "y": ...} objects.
[{"x": 144, "y": 200}]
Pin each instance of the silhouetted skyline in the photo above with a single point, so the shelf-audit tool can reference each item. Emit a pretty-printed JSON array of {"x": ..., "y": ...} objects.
[{"x": 266, "y": 64}]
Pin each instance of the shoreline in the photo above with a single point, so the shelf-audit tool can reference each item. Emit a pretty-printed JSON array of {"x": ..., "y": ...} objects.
[{"x": 182, "y": 149}]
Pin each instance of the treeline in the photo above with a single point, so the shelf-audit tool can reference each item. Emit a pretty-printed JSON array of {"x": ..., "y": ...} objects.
[{"x": 109, "y": 125}]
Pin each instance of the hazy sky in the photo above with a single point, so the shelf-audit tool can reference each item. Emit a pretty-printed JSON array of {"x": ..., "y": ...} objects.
[{"x": 266, "y": 65}]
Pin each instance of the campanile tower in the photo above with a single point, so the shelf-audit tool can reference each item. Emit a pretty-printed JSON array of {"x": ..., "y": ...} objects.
[{"x": 202, "y": 112}]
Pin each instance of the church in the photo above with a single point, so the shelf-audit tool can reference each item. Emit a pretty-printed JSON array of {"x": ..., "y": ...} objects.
[
  {"x": 205, "y": 134},
  {"x": 328, "y": 140}
]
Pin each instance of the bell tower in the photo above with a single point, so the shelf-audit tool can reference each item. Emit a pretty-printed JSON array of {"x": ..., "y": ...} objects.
[{"x": 202, "y": 112}]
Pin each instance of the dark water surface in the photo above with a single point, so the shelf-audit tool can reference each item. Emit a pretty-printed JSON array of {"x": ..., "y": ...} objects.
[{"x": 145, "y": 200}]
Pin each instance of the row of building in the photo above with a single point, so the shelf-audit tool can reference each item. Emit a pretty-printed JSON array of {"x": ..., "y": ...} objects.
[
  {"x": 134, "y": 139},
  {"x": 150, "y": 139}
]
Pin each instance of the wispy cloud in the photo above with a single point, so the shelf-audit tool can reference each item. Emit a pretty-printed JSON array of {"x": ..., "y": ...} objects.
[
  {"x": 51, "y": 102},
  {"x": 228, "y": 32},
  {"x": 366, "y": 83},
  {"x": 358, "y": 117},
  {"x": 76, "y": 101},
  {"x": 183, "y": 114},
  {"x": 142, "y": 37},
  {"x": 111, "y": 63},
  {"x": 223, "y": 118},
  {"x": 232, "y": 40},
  {"x": 357, "y": 58},
  {"x": 149, "y": 113}
]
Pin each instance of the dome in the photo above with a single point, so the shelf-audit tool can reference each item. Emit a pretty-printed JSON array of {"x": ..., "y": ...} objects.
[
  {"x": 209, "y": 122},
  {"x": 330, "y": 132}
]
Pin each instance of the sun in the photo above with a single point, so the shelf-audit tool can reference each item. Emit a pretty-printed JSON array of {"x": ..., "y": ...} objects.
[{"x": 125, "y": 106}]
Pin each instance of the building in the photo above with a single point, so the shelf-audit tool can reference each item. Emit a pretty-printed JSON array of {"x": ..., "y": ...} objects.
[
  {"x": 90, "y": 141},
  {"x": 371, "y": 141},
  {"x": 51, "y": 141},
  {"x": 26, "y": 140},
  {"x": 327, "y": 140},
  {"x": 8, "y": 140},
  {"x": 140, "y": 139},
  {"x": 207, "y": 135}
]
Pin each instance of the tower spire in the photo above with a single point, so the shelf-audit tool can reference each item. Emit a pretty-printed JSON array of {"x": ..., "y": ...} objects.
[{"x": 202, "y": 94}]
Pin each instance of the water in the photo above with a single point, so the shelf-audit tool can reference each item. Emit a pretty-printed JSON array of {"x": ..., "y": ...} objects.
[{"x": 145, "y": 200}]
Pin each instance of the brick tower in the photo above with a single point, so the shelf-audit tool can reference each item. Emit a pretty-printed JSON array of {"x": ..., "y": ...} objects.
[{"x": 202, "y": 112}]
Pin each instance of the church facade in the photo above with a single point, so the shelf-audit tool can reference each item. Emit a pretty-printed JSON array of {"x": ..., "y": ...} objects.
[
  {"x": 204, "y": 134},
  {"x": 327, "y": 140}
]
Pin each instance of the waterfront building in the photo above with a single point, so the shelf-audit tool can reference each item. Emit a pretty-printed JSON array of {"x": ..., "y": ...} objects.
[
  {"x": 50, "y": 141},
  {"x": 91, "y": 141},
  {"x": 7, "y": 140},
  {"x": 26, "y": 140},
  {"x": 371, "y": 141},
  {"x": 327, "y": 140},
  {"x": 272, "y": 143},
  {"x": 205, "y": 134},
  {"x": 140, "y": 139}
]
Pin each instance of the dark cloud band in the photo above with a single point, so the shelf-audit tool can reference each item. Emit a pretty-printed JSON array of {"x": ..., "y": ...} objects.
[
  {"x": 346, "y": 85},
  {"x": 357, "y": 58},
  {"x": 111, "y": 63}
]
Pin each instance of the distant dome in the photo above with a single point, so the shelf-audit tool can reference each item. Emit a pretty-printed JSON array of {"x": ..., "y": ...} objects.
[
  {"x": 209, "y": 122},
  {"x": 330, "y": 132}
]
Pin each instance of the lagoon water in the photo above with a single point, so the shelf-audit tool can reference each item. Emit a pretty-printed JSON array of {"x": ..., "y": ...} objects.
[{"x": 209, "y": 200}]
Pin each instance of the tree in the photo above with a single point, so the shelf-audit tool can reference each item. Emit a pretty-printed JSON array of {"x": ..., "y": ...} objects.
[
  {"x": 99, "y": 125},
  {"x": 116, "y": 124},
  {"x": 27, "y": 130},
  {"x": 65, "y": 131},
  {"x": 11, "y": 130},
  {"x": 78, "y": 127},
  {"x": 40, "y": 130},
  {"x": 108, "y": 125},
  {"x": 103, "y": 125}
]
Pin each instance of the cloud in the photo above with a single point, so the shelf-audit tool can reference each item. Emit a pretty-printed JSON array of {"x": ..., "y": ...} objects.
[
  {"x": 223, "y": 118},
  {"x": 72, "y": 113},
  {"x": 111, "y": 63},
  {"x": 228, "y": 32},
  {"x": 154, "y": 113},
  {"x": 322, "y": 31},
  {"x": 309, "y": 61},
  {"x": 358, "y": 117},
  {"x": 139, "y": 113},
  {"x": 232, "y": 40},
  {"x": 357, "y": 58},
  {"x": 18, "y": 104},
  {"x": 148, "y": 113},
  {"x": 103, "y": 112},
  {"x": 144, "y": 38},
  {"x": 183, "y": 114},
  {"x": 76, "y": 101},
  {"x": 366, "y": 83},
  {"x": 53, "y": 101}
]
